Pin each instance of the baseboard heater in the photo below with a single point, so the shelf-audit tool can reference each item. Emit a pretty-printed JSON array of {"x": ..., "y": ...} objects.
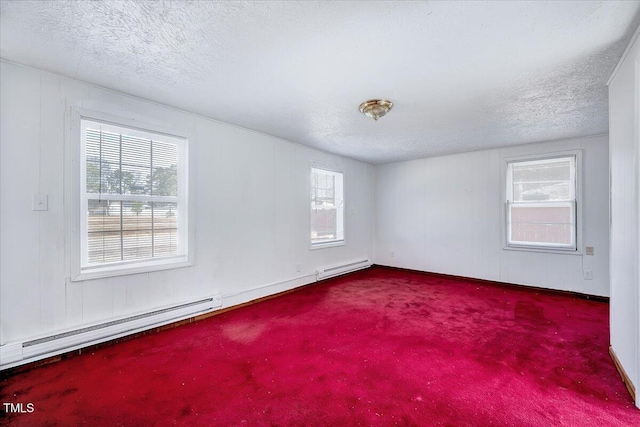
[
  {"x": 342, "y": 269},
  {"x": 28, "y": 351}
]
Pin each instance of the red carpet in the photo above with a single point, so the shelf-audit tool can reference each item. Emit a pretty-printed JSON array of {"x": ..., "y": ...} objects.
[{"x": 378, "y": 347}]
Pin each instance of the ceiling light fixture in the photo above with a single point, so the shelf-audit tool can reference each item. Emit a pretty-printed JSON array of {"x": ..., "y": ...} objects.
[{"x": 375, "y": 108}]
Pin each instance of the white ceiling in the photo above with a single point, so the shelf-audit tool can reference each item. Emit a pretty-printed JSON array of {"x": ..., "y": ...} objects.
[{"x": 463, "y": 75}]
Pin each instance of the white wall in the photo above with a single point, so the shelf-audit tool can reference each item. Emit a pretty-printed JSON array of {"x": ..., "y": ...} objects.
[
  {"x": 250, "y": 195},
  {"x": 445, "y": 215},
  {"x": 624, "y": 149}
]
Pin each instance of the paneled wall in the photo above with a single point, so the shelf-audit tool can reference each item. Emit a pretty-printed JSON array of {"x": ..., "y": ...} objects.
[
  {"x": 624, "y": 149},
  {"x": 446, "y": 215},
  {"x": 250, "y": 203}
]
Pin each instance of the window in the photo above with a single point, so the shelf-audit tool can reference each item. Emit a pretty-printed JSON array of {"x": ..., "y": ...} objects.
[
  {"x": 132, "y": 200},
  {"x": 541, "y": 203},
  {"x": 327, "y": 208}
]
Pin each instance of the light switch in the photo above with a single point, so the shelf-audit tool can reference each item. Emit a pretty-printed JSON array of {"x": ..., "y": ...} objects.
[
  {"x": 588, "y": 250},
  {"x": 40, "y": 202}
]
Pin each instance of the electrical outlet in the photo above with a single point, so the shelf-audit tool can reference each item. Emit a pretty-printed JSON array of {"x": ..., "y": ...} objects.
[
  {"x": 589, "y": 250},
  {"x": 298, "y": 268},
  {"x": 587, "y": 274},
  {"x": 393, "y": 254},
  {"x": 217, "y": 301}
]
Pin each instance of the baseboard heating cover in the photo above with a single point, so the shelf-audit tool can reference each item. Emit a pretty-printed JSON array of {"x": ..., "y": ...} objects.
[
  {"x": 14, "y": 354},
  {"x": 342, "y": 269}
]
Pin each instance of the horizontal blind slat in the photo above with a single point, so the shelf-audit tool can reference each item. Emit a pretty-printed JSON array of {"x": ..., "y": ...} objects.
[{"x": 131, "y": 193}]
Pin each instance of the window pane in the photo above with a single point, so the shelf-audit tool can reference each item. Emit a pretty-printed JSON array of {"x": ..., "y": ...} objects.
[
  {"x": 104, "y": 247},
  {"x": 136, "y": 215},
  {"x": 136, "y": 165},
  {"x": 137, "y": 230},
  {"x": 165, "y": 229},
  {"x": 121, "y": 231},
  {"x": 103, "y": 160},
  {"x": 165, "y": 181},
  {"x": 326, "y": 206},
  {"x": 535, "y": 181},
  {"x": 542, "y": 224},
  {"x": 103, "y": 226},
  {"x": 136, "y": 244},
  {"x": 123, "y": 164},
  {"x": 109, "y": 162},
  {"x": 164, "y": 154},
  {"x": 93, "y": 176},
  {"x": 323, "y": 189},
  {"x": 165, "y": 169},
  {"x": 136, "y": 151},
  {"x": 323, "y": 225}
]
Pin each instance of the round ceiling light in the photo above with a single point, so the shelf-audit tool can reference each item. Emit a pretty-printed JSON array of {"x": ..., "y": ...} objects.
[{"x": 375, "y": 108}]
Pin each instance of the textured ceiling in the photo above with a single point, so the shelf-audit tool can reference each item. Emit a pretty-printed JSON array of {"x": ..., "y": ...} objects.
[{"x": 463, "y": 75}]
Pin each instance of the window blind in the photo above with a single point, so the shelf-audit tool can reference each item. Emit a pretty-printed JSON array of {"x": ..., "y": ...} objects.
[{"x": 130, "y": 193}]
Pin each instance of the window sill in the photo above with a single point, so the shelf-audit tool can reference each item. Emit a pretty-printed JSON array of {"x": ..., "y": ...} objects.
[
  {"x": 123, "y": 270},
  {"x": 543, "y": 250},
  {"x": 327, "y": 245}
]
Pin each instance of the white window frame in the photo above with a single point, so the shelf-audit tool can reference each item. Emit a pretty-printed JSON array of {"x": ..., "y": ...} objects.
[
  {"x": 80, "y": 268},
  {"x": 340, "y": 210},
  {"x": 572, "y": 249}
]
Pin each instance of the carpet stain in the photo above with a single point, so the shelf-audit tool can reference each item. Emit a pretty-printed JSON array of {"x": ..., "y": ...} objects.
[{"x": 243, "y": 332}]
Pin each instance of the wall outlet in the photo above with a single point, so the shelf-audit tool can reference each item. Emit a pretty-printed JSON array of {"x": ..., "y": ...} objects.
[
  {"x": 587, "y": 274},
  {"x": 298, "y": 268},
  {"x": 393, "y": 254},
  {"x": 217, "y": 301},
  {"x": 589, "y": 250}
]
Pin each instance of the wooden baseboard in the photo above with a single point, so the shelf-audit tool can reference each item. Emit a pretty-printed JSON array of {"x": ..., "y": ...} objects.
[
  {"x": 252, "y": 302},
  {"x": 625, "y": 378}
]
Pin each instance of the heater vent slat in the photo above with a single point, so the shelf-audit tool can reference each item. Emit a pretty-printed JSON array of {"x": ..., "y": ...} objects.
[
  {"x": 342, "y": 269},
  {"x": 112, "y": 323},
  {"x": 18, "y": 353}
]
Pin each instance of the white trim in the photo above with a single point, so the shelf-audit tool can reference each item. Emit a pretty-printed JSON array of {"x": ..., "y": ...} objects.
[
  {"x": 547, "y": 250},
  {"x": 133, "y": 197},
  {"x": 10, "y": 353},
  {"x": 328, "y": 244},
  {"x": 80, "y": 269},
  {"x": 73, "y": 187},
  {"x": 122, "y": 269},
  {"x": 637, "y": 174},
  {"x": 326, "y": 166},
  {"x": 118, "y": 121},
  {"x": 235, "y": 298},
  {"x": 624, "y": 55}
]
